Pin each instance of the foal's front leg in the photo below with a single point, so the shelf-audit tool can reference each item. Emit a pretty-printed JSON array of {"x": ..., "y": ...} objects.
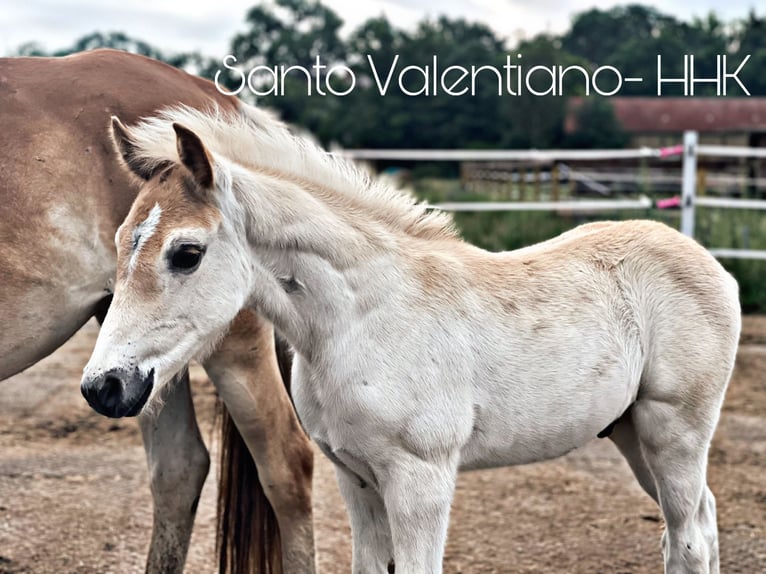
[
  {"x": 373, "y": 551},
  {"x": 418, "y": 495},
  {"x": 178, "y": 465}
]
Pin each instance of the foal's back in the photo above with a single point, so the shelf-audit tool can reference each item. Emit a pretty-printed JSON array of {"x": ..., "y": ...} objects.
[{"x": 655, "y": 282}]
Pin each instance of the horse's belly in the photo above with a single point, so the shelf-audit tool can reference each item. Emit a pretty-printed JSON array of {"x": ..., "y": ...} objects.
[
  {"x": 36, "y": 323},
  {"x": 52, "y": 277}
]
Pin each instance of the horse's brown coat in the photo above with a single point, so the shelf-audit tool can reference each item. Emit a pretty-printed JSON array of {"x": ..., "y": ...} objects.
[
  {"x": 63, "y": 194},
  {"x": 56, "y": 111}
]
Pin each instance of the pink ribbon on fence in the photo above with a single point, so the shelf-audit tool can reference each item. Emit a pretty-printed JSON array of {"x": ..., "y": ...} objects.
[
  {"x": 671, "y": 150},
  {"x": 669, "y": 203}
]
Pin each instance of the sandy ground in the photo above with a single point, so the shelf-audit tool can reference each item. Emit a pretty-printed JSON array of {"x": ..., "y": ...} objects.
[{"x": 74, "y": 495}]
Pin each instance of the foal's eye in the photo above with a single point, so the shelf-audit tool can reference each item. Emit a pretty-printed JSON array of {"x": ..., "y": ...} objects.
[{"x": 185, "y": 258}]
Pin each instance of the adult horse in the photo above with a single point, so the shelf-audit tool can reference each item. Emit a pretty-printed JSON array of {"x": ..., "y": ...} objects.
[
  {"x": 417, "y": 354},
  {"x": 63, "y": 196}
]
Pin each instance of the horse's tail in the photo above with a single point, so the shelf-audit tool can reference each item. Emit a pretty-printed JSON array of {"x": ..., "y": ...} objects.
[
  {"x": 248, "y": 535},
  {"x": 247, "y": 539}
]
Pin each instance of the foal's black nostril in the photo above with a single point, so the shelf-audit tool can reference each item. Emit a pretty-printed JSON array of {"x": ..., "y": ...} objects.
[
  {"x": 105, "y": 393},
  {"x": 118, "y": 393},
  {"x": 111, "y": 393}
]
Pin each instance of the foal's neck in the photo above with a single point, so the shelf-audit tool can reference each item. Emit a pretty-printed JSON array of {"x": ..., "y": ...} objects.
[
  {"x": 309, "y": 260},
  {"x": 311, "y": 301}
]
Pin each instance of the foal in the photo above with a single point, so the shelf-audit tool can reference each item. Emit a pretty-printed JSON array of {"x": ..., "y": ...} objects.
[{"x": 418, "y": 354}]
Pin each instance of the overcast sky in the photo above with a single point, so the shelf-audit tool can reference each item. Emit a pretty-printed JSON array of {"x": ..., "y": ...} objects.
[{"x": 208, "y": 25}]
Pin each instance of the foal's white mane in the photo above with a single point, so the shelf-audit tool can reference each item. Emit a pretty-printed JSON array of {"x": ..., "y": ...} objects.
[{"x": 257, "y": 139}]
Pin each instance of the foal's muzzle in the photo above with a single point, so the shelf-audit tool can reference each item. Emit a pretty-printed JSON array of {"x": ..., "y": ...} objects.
[{"x": 118, "y": 393}]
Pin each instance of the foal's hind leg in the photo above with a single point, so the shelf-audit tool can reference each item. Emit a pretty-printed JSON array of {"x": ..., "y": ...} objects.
[
  {"x": 625, "y": 437},
  {"x": 674, "y": 441},
  {"x": 178, "y": 465}
]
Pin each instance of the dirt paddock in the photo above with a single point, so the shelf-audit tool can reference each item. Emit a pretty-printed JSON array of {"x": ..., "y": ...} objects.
[{"x": 74, "y": 493}]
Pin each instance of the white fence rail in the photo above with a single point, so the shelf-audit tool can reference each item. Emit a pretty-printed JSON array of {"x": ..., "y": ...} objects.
[
  {"x": 731, "y": 151},
  {"x": 727, "y": 203},
  {"x": 499, "y": 154},
  {"x": 738, "y": 253},
  {"x": 586, "y": 205},
  {"x": 689, "y": 151}
]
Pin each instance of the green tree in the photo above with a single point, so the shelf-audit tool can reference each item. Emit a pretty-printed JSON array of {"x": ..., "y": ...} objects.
[
  {"x": 597, "y": 127},
  {"x": 369, "y": 120},
  {"x": 530, "y": 120},
  {"x": 30, "y": 49},
  {"x": 749, "y": 38},
  {"x": 630, "y": 38},
  {"x": 293, "y": 33},
  {"x": 290, "y": 32},
  {"x": 597, "y": 35},
  {"x": 400, "y": 120}
]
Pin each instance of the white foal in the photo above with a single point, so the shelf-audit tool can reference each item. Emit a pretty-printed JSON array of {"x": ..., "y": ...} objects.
[{"x": 417, "y": 354}]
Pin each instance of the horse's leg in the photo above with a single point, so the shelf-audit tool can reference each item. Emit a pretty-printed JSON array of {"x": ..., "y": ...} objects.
[
  {"x": 373, "y": 551},
  {"x": 624, "y": 436},
  {"x": 244, "y": 369},
  {"x": 418, "y": 494},
  {"x": 674, "y": 440},
  {"x": 178, "y": 465}
]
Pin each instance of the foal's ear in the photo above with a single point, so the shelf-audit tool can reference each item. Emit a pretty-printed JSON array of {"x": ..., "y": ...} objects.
[
  {"x": 127, "y": 149},
  {"x": 192, "y": 153}
]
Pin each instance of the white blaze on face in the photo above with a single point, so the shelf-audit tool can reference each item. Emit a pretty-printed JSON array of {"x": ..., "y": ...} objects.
[{"x": 142, "y": 232}]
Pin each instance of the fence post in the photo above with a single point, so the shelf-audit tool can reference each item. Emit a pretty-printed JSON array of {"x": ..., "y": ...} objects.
[{"x": 689, "y": 183}]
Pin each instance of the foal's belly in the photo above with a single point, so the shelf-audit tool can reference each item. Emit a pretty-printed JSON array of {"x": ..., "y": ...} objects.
[
  {"x": 534, "y": 446},
  {"x": 511, "y": 433}
]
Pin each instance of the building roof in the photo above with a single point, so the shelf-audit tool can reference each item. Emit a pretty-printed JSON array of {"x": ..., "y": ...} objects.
[{"x": 642, "y": 115}]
